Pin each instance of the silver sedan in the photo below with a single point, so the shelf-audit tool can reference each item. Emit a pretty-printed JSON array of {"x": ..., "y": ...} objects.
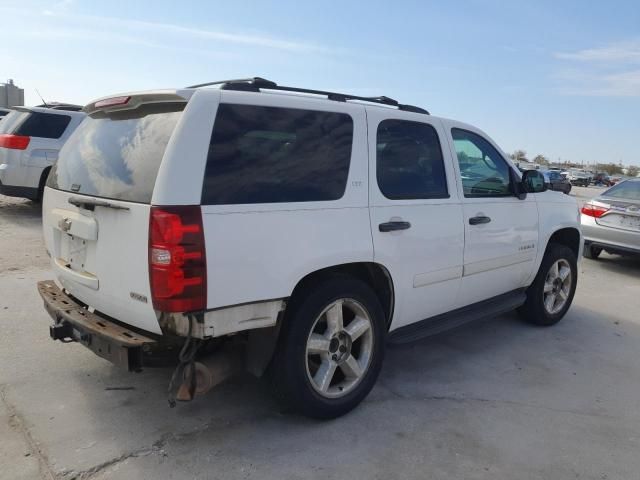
[{"x": 611, "y": 221}]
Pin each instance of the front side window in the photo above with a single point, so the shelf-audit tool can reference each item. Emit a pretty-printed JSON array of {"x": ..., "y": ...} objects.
[
  {"x": 484, "y": 172},
  {"x": 409, "y": 163}
]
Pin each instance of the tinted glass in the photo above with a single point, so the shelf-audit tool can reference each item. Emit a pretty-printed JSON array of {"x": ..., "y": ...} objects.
[
  {"x": 629, "y": 190},
  {"x": 117, "y": 156},
  {"x": 271, "y": 155},
  {"x": 409, "y": 163},
  {"x": 9, "y": 122},
  {"x": 44, "y": 125},
  {"x": 484, "y": 172},
  {"x": 3, "y": 113}
]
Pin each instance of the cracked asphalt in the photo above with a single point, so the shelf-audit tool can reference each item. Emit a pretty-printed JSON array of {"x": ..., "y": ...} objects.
[{"x": 494, "y": 400}]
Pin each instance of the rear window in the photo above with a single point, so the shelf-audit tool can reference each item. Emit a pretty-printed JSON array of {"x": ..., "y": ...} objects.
[
  {"x": 43, "y": 125},
  {"x": 629, "y": 190},
  {"x": 12, "y": 119},
  {"x": 272, "y": 155},
  {"x": 117, "y": 155}
]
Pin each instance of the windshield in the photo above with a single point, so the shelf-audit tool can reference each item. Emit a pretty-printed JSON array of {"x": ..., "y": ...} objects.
[{"x": 117, "y": 155}]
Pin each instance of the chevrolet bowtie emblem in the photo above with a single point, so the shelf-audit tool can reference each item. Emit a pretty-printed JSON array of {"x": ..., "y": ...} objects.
[{"x": 65, "y": 224}]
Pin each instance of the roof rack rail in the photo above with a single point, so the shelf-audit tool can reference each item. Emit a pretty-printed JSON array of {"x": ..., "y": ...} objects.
[{"x": 255, "y": 84}]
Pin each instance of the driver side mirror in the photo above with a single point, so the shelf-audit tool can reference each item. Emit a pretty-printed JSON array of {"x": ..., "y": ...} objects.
[{"x": 533, "y": 181}]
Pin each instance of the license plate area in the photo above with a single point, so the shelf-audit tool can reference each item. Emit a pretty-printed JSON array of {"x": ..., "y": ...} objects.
[
  {"x": 630, "y": 222},
  {"x": 73, "y": 252},
  {"x": 623, "y": 222}
]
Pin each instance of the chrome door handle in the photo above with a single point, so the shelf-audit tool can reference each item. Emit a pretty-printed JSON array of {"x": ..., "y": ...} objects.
[
  {"x": 392, "y": 226},
  {"x": 479, "y": 220}
]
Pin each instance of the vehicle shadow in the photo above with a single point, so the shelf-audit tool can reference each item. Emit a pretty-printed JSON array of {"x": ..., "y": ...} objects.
[
  {"x": 513, "y": 373},
  {"x": 628, "y": 265},
  {"x": 18, "y": 210}
]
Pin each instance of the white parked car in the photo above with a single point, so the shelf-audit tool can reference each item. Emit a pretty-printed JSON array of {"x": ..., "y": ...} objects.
[
  {"x": 297, "y": 231},
  {"x": 4, "y": 112},
  {"x": 30, "y": 139}
]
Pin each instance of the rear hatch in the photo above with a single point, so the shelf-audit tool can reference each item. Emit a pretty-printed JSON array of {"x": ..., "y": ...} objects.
[
  {"x": 30, "y": 139},
  {"x": 96, "y": 206},
  {"x": 11, "y": 147}
]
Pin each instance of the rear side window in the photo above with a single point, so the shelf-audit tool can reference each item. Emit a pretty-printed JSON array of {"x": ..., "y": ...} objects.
[
  {"x": 409, "y": 163},
  {"x": 272, "y": 155},
  {"x": 43, "y": 125},
  {"x": 117, "y": 155}
]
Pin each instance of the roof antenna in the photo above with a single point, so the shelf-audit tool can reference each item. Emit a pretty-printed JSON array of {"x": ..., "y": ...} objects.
[{"x": 45, "y": 103}]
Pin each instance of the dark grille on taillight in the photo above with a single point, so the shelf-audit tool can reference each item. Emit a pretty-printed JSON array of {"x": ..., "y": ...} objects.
[{"x": 177, "y": 260}]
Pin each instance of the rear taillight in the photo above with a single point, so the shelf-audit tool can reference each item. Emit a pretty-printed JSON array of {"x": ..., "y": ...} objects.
[
  {"x": 592, "y": 210},
  {"x": 15, "y": 142},
  {"x": 177, "y": 261}
]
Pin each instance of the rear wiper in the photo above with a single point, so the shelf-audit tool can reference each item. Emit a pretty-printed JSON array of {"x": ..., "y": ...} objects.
[{"x": 90, "y": 204}]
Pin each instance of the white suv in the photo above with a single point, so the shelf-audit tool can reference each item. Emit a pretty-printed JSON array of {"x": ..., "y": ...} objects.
[
  {"x": 297, "y": 231},
  {"x": 30, "y": 139}
]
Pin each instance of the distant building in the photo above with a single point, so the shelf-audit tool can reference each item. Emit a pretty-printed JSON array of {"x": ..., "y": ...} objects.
[{"x": 10, "y": 95}]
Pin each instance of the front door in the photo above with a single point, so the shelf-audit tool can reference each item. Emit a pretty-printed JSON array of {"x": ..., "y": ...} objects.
[{"x": 501, "y": 230}]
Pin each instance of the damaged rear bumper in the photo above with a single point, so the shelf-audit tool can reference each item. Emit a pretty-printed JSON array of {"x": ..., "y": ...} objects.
[{"x": 121, "y": 346}]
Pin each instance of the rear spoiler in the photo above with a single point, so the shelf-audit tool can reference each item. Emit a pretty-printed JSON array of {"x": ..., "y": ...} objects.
[{"x": 131, "y": 101}]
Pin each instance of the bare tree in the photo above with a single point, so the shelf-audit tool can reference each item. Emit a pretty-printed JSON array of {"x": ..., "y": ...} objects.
[
  {"x": 519, "y": 156},
  {"x": 633, "y": 171},
  {"x": 610, "y": 168},
  {"x": 541, "y": 160}
]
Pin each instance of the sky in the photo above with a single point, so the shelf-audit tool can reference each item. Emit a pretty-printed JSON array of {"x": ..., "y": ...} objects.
[{"x": 557, "y": 78}]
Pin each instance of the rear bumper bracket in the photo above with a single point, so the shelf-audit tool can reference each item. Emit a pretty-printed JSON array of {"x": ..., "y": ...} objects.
[{"x": 107, "y": 339}]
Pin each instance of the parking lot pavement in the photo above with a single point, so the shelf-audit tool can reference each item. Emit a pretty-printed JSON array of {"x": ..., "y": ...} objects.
[{"x": 494, "y": 400}]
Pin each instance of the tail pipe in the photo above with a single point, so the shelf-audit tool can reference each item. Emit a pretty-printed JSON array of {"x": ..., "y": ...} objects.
[{"x": 211, "y": 371}]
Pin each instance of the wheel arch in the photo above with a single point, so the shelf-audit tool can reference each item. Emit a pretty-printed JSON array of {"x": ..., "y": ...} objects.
[
  {"x": 375, "y": 275},
  {"x": 569, "y": 237},
  {"x": 43, "y": 180}
]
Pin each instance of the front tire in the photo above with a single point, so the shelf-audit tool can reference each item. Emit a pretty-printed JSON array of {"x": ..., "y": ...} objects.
[
  {"x": 331, "y": 348},
  {"x": 551, "y": 293}
]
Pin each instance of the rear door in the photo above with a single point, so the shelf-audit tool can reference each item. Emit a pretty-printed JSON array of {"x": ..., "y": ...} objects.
[
  {"x": 97, "y": 204},
  {"x": 416, "y": 215}
]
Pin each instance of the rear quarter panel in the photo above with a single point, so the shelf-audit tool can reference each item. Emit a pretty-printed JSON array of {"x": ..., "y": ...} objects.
[{"x": 260, "y": 251}]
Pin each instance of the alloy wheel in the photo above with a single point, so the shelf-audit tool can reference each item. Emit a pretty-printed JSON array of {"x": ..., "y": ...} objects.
[{"x": 339, "y": 348}]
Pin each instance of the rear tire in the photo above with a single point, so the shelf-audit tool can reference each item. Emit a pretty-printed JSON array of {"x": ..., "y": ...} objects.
[
  {"x": 551, "y": 293},
  {"x": 330, "y": 349},
  {"x": 592, "y": 252}
]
